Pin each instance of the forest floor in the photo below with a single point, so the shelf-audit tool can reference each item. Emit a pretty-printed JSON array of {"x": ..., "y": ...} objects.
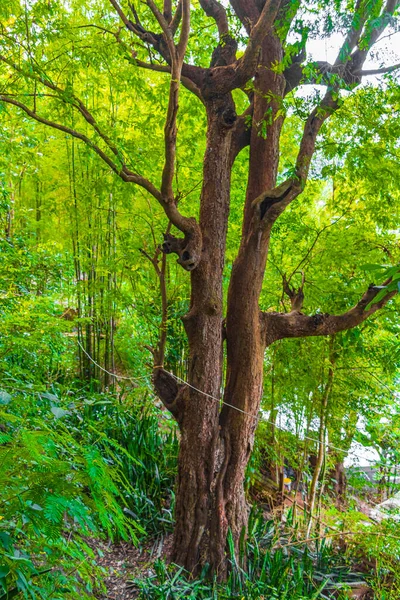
[{"x": 124, "y": 562}]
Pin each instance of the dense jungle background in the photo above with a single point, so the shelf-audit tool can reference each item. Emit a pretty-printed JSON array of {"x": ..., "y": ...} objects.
[{"x": 89, "y": 303}]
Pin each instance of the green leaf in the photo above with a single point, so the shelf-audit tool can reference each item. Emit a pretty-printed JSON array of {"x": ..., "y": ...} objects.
[
  {"x": 4, "y": 571},
  {"x": 383, "y": 292},
  {"x": 59, "y": 412},
  {"x": 372, "y": 267},
  {"x": 5, "y": 397},
  {"x": 50, "y": 396},
  {"x": 5, "y": 541}
]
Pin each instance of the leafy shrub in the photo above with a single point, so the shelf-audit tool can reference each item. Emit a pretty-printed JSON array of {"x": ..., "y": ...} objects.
[
  {"x": 151, "y": 474},
  {"x": 59, "y": 484},
  {"x": 375, "y": 548},
  {"x": 33, "y": 347}
]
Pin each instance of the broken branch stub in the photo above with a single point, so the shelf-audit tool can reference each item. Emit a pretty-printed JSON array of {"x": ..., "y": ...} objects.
[{"x": 187, "y": 248}]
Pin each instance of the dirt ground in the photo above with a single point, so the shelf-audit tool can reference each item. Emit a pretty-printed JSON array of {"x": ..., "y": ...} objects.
[{"x": 123, "y": 562}]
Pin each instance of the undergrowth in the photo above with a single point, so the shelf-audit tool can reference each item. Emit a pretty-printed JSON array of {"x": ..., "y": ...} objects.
[
  {"x": 75, "y": 468},
  {"x": 78, "y": 467},
  {"x": 275, "y": 570}
]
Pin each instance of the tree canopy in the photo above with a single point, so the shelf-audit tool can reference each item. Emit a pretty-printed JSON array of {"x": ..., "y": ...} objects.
[{"x": 219, "y": 132}]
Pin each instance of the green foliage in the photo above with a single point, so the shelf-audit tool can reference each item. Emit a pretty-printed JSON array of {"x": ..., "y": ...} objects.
[
  {"x": 375, "y": 548},
  {"x": 59, "y": 486},
  {"x": 145, "y": 446},
  {"x": 33, "y": 345},
  {"x": 275, "y": 569},
  {"x": 83, "y": 454}
]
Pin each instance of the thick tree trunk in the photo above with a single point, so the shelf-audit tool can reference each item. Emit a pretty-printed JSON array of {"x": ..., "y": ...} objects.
[
  {"x": 215, "y": 448},
  {"x": 245, "y": 336},
  {"x": 201, "y": 453}
]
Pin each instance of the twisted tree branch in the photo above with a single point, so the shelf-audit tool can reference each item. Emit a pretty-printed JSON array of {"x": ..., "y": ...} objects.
[
  {"x": 272, "y": 203},
  {"x": 216, "y": 10},
  {"x": 123, "y": 172},
  {"x": 277, "y": 326}
]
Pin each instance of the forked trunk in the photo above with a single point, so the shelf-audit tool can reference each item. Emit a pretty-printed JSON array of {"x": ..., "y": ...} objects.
[
  {"x": 201, "y": 453},
  {"x": 216, "y": 444}
]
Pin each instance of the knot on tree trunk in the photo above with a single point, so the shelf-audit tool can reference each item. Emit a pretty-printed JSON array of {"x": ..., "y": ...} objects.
[
  {"x": 226, "y": 115},
  {"x": 225, "y": 53},
  {"x": 220, "y": 105},
  {"x": 187, "y": 248},
  {"x": 277, "y": 197},
  {"x": 170, "y": 392}
]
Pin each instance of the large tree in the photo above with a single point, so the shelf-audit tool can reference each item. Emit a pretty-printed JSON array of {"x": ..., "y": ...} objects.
[{"x": 259, "y": 47}]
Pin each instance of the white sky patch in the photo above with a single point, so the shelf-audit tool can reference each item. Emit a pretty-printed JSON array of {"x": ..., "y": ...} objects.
[
  {"x": 358, "y": 455},
  {"x": 361, "y": 456},
  {"x": 384, "y": 53}
]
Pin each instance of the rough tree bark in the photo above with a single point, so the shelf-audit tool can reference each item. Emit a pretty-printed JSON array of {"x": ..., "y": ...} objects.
[{"x": 216, "y": 440}]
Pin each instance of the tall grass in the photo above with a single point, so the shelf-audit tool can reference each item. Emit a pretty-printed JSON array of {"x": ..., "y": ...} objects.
[
  {"x": 275, "y": 570},
  {"x": 147, "y": 454}
]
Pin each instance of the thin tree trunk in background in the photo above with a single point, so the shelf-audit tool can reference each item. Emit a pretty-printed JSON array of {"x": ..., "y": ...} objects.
[
  {"x": 113, "y": 291},
  {"x": 10, "y": 211},
  {"x": 321, "y": 488},
  {"x": 322, "y": 433},
  {"x": 76, "y": 248},
  {"x": 160, "y": 356},
  {"x": 90, "y": 374},
  {"x": 340, "y": 484},
  {"x": 338, "y": 473},
  {"x": 106, "y": 286},
  {"x": 300, "y": 480},
  {"x": 158, "y": 351},
  {"x": 8, "y": 227},
  {"x": 273, "y": 460},
  {"x": 38, "y": 212}
]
